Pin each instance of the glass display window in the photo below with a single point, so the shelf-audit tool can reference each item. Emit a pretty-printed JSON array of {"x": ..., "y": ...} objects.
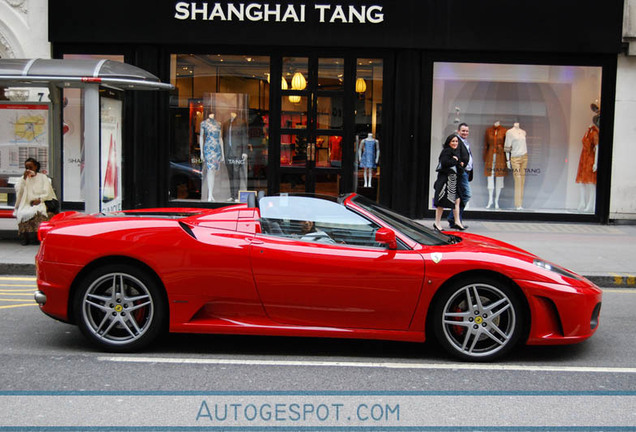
[
  {"x": 533, "y": 133},
  {"x": 220, "y": 126},
  {"x": 368, "y": 126}
]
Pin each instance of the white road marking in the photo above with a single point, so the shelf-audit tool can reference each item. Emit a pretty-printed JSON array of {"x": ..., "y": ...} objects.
[{"x": 385, "y": 365}]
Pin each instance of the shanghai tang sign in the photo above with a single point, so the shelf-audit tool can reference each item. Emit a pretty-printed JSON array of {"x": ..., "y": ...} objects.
[{"x": 281, "y": 13}]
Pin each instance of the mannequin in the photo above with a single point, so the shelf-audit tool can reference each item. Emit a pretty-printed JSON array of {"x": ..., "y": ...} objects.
[
  {"x": 494, "y": 162},
  {"x": 517, "y": 159},
  {"x": 335, "y": 150},
  {"x": 368, "y": 156},
  {"x": 235, "y": 147},
  {"x": 588, "y": 162},
  {"x": 211, "y": 144}
]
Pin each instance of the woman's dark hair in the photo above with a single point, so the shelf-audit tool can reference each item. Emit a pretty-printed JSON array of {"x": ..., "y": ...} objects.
[
  {"x": 449, "y": 139},
  {"x": 35, "y": 162}
]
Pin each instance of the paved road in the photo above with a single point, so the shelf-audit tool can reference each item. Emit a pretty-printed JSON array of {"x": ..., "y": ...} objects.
[{"x": 49, "y": 365}]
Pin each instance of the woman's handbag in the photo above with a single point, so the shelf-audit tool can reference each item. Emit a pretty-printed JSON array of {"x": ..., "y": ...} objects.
[{"x": 52, "y": 206}]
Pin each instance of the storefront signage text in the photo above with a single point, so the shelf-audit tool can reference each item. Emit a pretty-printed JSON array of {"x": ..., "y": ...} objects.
[{"x": 205, "y": 11}]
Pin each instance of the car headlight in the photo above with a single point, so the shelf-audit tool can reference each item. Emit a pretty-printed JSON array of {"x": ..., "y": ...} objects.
[{"x": 551, "y": 267}]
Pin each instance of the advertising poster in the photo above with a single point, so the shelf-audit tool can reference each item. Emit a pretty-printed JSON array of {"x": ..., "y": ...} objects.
[
  {"x": 111, "y": 135},
  {"x": 24, "y": 133},
  {"x": 73, "y": 146}
]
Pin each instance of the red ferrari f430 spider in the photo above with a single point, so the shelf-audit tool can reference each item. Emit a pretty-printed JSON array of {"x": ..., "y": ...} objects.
[{"x": 303, "y": 266}]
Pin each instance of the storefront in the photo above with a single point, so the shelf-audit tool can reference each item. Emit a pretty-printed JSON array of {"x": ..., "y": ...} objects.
[{"x": 358, "y": 96}]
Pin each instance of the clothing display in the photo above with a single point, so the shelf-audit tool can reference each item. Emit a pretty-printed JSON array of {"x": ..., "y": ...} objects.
[
  {"x": 367, "y": 159},
  {"x": 494, "y": 156},
  {"x": 515, "y": 141},
  {"x": 518, "y": 166},
  {"x": 235, "y": 145},
  {"x": 335, "y": 150},
  {"x": 211, "y": 143},
  {"x": 515, "y": 144},
  {"x": 586, "y": 173}
]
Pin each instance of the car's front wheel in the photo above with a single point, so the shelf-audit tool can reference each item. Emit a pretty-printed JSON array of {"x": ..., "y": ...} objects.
[
  {"x": 120, "y": 308},
  {"x": 478, "y": 320}
]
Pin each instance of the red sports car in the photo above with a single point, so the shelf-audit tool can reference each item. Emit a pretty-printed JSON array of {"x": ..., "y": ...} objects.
[{"x": 303, "y": 266}]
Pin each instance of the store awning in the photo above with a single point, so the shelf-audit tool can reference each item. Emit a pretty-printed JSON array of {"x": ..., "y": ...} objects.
[{"x": 76, "y": 73}]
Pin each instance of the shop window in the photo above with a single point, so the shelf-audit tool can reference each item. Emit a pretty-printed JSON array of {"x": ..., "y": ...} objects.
[
  {"x": 368, "y": 127},
  {"x": 219, "y": 126},
  {"x": 533, "y": 133}
]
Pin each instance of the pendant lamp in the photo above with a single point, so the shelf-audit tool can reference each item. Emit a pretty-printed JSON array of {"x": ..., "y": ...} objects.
[
  {"x": 298, "y": 81},
  {"x": 361, "y": 85}
]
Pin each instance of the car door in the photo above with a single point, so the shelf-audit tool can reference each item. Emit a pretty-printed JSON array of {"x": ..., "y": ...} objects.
[{"x": 304, "y": 283}]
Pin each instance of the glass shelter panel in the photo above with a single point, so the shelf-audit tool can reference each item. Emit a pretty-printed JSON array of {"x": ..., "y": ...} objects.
[
  {"x": 368, "y": 126},
  {"x": 220, "y": 126},
  {"x": 533, "y": 133}
]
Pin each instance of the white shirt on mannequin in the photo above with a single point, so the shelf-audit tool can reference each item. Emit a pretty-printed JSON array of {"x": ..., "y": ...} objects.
[{"x": 515, "y": 142}]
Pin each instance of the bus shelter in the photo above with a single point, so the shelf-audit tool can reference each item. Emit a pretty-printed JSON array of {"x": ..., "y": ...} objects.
[{"x": 88, "y": 75}]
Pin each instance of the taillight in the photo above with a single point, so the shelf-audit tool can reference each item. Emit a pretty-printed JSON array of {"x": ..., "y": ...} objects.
[{"x": 44, "y": 229}]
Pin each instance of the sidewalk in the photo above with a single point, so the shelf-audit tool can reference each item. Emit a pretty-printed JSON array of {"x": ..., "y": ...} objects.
[{"x": 605, "y": 254}]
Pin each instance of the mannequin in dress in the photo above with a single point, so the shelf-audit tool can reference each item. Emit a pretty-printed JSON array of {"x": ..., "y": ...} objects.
[
  {"x": 235, "y": 143},
  {"x": 368, "y": 157},
  {"x": 495, "y": 162},
  {"x": 517, "y": 159},
  {"x": 586, "y": 173},
  {"x": 211, "y": 145}
]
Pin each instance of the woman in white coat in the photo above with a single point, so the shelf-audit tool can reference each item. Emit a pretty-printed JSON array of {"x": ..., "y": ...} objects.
[{"x": 32, "y": 190}]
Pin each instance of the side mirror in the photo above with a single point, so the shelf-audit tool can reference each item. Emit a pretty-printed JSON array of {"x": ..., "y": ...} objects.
[{"x": 386, "y": 236}]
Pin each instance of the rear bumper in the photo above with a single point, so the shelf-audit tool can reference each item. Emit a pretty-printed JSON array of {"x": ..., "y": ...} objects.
[{"x": 54, "y": 285}]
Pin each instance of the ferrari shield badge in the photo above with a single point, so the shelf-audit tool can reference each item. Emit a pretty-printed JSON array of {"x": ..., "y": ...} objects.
[{"x": 436, "y": 257}]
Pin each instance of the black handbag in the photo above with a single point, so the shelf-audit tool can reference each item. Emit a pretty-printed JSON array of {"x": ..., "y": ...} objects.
[{"x": 52, "y": 206}]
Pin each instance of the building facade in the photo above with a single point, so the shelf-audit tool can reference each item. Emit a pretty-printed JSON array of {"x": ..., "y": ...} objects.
[{"x": 359, "y": 96}]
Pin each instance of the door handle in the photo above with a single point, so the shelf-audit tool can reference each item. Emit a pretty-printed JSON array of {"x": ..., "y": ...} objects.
[{"x": 311, "y": 152}]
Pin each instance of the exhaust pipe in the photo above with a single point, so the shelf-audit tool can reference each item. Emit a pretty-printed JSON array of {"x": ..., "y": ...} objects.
[{"x": 40, "y": 297}]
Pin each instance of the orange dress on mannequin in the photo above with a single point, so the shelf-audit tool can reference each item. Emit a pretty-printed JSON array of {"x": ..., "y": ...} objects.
[
  {"x": 494, "y": 145},
  {"x": 586, "y": 173}
]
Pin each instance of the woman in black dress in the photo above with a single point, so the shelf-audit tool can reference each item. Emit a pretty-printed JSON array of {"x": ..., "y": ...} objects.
[{"x": 448, "y": 170}]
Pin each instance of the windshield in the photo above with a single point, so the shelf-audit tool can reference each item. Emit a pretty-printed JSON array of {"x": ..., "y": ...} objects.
[{"x": 409, "y": 227}]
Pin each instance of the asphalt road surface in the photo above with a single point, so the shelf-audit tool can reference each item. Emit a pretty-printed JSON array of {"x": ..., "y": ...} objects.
[{"x": 52, "y": 377}]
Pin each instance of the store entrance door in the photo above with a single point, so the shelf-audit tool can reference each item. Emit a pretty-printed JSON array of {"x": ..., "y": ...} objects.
[{"x": 313, "y": 121}]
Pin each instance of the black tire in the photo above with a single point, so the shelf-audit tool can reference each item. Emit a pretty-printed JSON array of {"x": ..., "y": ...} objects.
[
  {"x": 478, "y": 320},
  {"x": 120, "y": 308}
]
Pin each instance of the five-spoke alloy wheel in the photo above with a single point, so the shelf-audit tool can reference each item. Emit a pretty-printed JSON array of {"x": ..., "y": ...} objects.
[
  {"x": 478, "y": 320},
  {"x": 119, "y": 307}
]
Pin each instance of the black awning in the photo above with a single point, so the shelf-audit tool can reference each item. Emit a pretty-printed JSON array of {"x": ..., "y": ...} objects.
[{"x": 76, "y": 73}]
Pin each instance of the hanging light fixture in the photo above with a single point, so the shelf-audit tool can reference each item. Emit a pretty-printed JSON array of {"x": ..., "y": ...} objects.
[
  {"x": 294, "y": 99},
  {"x": 361, "y": 85},
  {"x": 283, "y": 84},
  {"x": 298, "y": 81}
]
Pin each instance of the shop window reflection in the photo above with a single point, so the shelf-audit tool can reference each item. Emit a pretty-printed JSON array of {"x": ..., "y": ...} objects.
[{"x": 219, "y": 117}]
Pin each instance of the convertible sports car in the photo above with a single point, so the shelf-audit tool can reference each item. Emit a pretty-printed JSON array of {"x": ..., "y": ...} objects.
[{"x": 303, "y": 266}]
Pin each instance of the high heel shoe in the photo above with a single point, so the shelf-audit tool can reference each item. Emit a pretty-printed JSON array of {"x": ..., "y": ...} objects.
[
  {"x": 436, "y": 228},
  {"x": 460, "y": 227}
]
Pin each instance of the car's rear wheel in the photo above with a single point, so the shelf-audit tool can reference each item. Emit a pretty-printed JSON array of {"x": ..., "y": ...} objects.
[
  {"x": 478, "y": 320},
  {"x": 120, "y": 308}
]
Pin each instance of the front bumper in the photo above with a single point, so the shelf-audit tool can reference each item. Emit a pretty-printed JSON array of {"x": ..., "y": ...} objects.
[{"x": 562, "y": 314}]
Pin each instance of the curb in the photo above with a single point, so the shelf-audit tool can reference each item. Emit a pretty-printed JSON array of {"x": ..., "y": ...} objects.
[
  {"x": 613, "y": 280},
  {"x": 17, "y": 269}
]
